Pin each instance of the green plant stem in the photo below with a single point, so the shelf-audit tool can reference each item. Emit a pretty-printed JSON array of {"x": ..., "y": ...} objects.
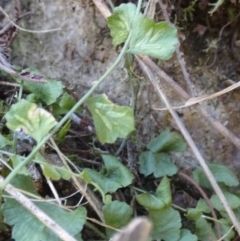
[
  {"x": 139, "y": 5},
  {"x": 212, "y": 219},
  {"x": 97, "y": 187},
  {"x": 203, "y": 216},
  {"x": 65, "y": 118},
  {"x": 179, "y": 208},
  {"x": 138, "y": 189},
  {"x": 121, "y": 147}
]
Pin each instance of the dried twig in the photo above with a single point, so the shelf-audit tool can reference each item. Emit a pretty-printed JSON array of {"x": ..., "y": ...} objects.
[
  {"x": 102, "y": 8},
  {"x": 103, "y": 224},
  {"x": 150, "y": 8},
  {"x": 53, "y": 189}
]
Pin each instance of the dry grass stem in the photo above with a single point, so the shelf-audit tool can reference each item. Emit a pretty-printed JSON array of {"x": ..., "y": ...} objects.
[
  {"x": 150, "y": 8},
  {"x": 102, "y": 7},
  {"x": 199, "y": 99},
  {"x": 226, "y": 234},
  {"x": 80, "y": 185},
  {"x": 103, "y": 224},
  {"x": 53, "y": 189}
]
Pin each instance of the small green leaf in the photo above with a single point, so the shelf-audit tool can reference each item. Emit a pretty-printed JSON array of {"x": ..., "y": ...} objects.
[
  {"x": 166, "y": 224},
  {"x": 202, "y": 206},
  {"x": 48, "y": 93},
  {"x": 158, "y": 164},
  {"x": 86, "y": 176},
  {"x": 116, "y": 214},
  {"x": 196, "y": 213},
  {"x": 16, "y": 159},
  {"x": 4, "y": 141},
  {"x": 157, "y": 40},
  {"x": 161, "y": 199},
  {"x": 116, "y": 175},
  {"x": 186, "y": 235},
  {"x": 64, "y": 172},
  {"x": 26, "y": 225},
  {"x": 164, "y": 191},
  {"x": 221, "y": 173},
  {"x": 63, "y": 132},
  {"x": 204, "y": 230},
  {"x": 56, "y": 172},
  {"x": 167, "y": 142},
  {"x": 149, "y": 38},
  {"x": 67, "y": 102},
  {"x": 52, "y": 171},
  {"x": 32, "y": 98},
  {"x": 117, "y": 171},
  {"x": 150, "y": 201},
  {"x": 111, "y": 121},
  {"x": 33, "y": 120},
  {"x": 120, "y": 22},
  {"x": 193, "y": 214},
  {"x": 25, "y": 183},
  {"x": 233, "y": 200}
]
